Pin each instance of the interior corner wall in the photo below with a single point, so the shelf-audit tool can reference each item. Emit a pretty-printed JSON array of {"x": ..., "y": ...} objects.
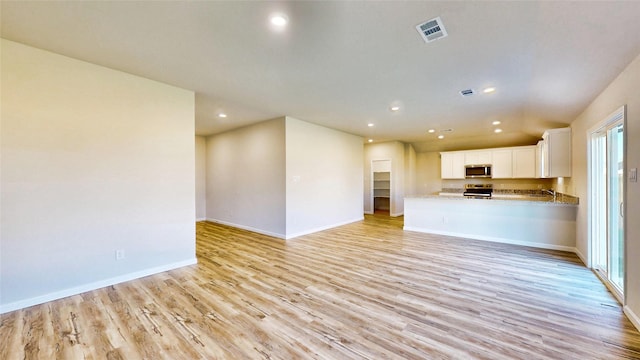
[
  {"x": 428, "y": 177},
  {"x": 201, "y": 178},
  {"x": 93, "y": 161},
  {"x": 623, "y": 90},
  {"x": 394, "y": 151},
  {"x": 409, "y": 170},
  {"x": 246, "y": 175},
  {"x": 324, "y": 177}
]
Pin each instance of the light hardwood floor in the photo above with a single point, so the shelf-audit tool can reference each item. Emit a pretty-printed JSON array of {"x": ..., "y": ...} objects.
[{"x": 367, "y": 290}]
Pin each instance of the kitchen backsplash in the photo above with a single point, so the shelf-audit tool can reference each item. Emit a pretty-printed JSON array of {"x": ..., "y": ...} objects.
[
  {"x": 502, "y": 184},
  {"x": 565, "y": 198}
]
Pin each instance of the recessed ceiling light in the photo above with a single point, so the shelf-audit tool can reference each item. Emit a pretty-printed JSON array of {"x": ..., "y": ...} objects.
[
  {"x": 395, "y": 108},
  {"x": 440, "y": 136},
  {"x": 222, "y": 115},
  {"x": 497, "y": 131},
  {"x": 431, "y": 131},
  {"x": 279, "y": 20},
  {"x": 370, "y": 140},
  {"x": 496, "y": 123},
  {"x": 370, "y": 124},
  {"x": 489, "y": 90}
]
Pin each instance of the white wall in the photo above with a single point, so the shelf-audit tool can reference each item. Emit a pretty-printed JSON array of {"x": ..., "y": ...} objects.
[
  {"x": 324, "y": 177},
  {"x": 201, "y": 178},
  {"x": 93, "y": 161},
  {"x": 246, "y": 177},
  {"x": 409, "y": 170},
  {"x": 394, "y": 151},
  {"x": 623, "y": 90},
  {"x": 428, "y": 179}
]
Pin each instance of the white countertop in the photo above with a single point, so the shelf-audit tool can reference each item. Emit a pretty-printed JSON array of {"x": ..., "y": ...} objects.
[{"x": 532, "y": 199}]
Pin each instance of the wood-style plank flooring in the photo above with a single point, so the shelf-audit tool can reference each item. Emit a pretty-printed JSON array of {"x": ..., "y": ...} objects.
[{"x": 367, "y": 290}]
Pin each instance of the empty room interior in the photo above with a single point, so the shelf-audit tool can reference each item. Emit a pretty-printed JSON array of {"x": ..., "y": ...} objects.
[{"x": 319, "y": 180}]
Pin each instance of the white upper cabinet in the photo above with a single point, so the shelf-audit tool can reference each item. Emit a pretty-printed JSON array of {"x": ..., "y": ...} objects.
[
  {"x": 452, "y": 165},
  {"x": 477, "y": 157},
  {"x": 555, "y": 159},
  {"x": 502, "y": 166},
  {"x": 524, "y": 162},
  {"x": 520, "y": 162}
]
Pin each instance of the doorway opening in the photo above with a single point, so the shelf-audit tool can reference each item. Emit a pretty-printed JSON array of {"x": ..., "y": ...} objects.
[{"x": 381, "y": 186}]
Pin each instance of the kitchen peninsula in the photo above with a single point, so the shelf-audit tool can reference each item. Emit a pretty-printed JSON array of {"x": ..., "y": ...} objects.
[
  {"x": 516, "y": 215},
  {"x": 531, "y": 220}
]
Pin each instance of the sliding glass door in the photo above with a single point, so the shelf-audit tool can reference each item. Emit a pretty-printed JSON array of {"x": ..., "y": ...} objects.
[
  {"x": 606, "y": 201},
  {"x": 615, "y": 186}
]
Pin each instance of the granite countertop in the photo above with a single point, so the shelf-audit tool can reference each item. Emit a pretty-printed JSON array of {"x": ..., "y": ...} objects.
[{"x": 533, "y": 198}]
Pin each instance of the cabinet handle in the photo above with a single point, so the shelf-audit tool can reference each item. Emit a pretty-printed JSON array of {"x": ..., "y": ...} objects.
[{"x": 621, "y": 208}]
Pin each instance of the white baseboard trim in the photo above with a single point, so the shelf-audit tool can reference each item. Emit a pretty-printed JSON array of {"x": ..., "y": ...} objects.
[
  {"x": 285, "y": 237},
  {"x": 311, "y": 231},
  {"x": 632, "y": 316},
  {"x": 248, "y": 228},
  {"x": 368, "y": 212},
  {"x": 582, "y": 257},
  {"x": 17, "y": 305},
  {"x": 494, "y": 239},
  {"x": 201, "y": 219},
  {"x": 396, "y": 214}
]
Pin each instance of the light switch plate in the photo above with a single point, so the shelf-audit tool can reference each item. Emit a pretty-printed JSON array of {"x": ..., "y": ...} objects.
[{"x": 633, "y": 175}]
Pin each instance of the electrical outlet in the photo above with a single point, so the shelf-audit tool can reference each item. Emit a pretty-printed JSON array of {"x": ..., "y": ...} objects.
[
  {"x": 633, "y": 175},
  {"x": 120, "y": 254}
]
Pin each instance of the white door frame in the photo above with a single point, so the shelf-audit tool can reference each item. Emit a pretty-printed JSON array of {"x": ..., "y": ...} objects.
[{"x": 616, "y": 116}]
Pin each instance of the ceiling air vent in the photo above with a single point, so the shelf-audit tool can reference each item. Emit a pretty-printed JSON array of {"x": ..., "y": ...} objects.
[
  {"x": 432, "y": 30},
  {"x": 467, "y": 92}
]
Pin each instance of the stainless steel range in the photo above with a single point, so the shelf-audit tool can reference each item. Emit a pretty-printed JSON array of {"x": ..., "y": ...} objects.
[{"x": 479, "y": 191}]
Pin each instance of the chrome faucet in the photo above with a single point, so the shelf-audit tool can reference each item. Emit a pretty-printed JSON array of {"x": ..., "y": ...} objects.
[{"x": 550, "y": 192}]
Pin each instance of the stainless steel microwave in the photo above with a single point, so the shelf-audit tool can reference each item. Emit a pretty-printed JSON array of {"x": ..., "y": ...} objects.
[{"x": 477, "y": 171}]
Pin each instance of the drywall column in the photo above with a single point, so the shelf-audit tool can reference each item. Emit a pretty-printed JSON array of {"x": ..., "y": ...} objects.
[
  {"x": 324, "y": 177},
  {"x": 201, "y": 178}
]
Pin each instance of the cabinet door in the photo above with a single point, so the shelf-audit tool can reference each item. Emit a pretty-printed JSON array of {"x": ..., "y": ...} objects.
[
  {"x": 557, "y": 153},
  {"x": 484, "y": 157},
  {"x": 544, "y": 155},
  {"x": 452, "y": 165},
  {"x": 502, "y": 164},
  {"x": 539, "y": 160},
  {"x": 477, "y": 157},
  {"x": 446, "y": 165},
  {"x": 524, "y": 162},
  {"x": 458, "y": 165}
]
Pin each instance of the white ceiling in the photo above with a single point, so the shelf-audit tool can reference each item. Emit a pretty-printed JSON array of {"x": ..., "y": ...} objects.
[{"x": 342, "y": 64}]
